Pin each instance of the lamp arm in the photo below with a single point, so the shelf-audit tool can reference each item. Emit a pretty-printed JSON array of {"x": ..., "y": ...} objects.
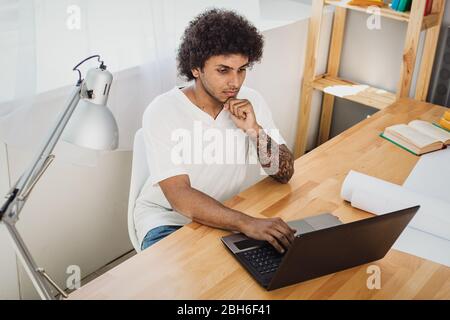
[
  {"x": 16, "y": 198},
  {"x": 37, "y": 275},
  {"x": 34, "y": 171}
]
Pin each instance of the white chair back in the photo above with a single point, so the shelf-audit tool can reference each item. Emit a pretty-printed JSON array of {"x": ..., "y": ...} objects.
[{"x": 139, "y": 174}]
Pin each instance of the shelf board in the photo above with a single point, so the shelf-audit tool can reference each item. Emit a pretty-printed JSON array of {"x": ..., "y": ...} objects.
[
  {"x": 373, "y": 97},
  {"x": 429, "y": 21},
  {"x": 385, "y": 12}
]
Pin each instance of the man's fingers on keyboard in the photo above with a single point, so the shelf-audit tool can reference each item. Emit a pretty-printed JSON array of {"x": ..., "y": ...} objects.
[
  {"x": 286, "y": 231},
  {"x": 271, "y": 239},
  {"x": 281, "y": 238}
]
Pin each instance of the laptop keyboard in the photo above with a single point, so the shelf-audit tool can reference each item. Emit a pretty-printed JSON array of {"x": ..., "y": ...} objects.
[{"x": 264, "y": 259}]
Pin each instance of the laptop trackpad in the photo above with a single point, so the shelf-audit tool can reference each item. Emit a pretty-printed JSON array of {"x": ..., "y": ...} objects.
[{"x": 321, "y": 221}]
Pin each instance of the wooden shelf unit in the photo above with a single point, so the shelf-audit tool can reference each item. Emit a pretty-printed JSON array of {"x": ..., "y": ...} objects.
[{"x": 372, "y": 97}]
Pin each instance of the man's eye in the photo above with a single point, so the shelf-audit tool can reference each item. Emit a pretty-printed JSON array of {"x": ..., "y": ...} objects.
[
  {"x": 222, "y": 70},
  {"x": 243, "y": 70}
]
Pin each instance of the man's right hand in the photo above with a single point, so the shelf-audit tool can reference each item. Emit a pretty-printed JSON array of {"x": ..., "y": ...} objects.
[
  {"x": 203, "y": 209},
  {"x": 274, "y": 230}
]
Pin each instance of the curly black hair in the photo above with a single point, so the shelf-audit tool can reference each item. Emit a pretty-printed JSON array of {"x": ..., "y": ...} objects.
[{"x": 217, "y": 32}]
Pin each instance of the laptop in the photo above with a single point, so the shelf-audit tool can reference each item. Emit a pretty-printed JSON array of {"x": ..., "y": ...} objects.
[{"x": 322, "y": 245}]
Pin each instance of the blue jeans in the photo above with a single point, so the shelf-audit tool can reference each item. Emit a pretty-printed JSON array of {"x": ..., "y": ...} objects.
[{"x": 156, "y": 234}]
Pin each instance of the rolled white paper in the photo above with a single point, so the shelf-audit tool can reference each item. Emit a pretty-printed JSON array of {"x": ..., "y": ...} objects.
[{"x": 379, "y": 197}]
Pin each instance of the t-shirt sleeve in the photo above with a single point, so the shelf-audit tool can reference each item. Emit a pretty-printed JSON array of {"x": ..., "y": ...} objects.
[
  {"x": 160, "y": 147},
  {"x": 265, "y": 120}
]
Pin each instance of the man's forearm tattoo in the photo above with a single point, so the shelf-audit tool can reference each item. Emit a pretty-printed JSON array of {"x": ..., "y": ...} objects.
[{"x": 276, "y": 160}]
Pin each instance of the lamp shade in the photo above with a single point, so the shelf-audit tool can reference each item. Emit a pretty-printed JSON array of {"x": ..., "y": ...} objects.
[{"x": 92, "y": 126}]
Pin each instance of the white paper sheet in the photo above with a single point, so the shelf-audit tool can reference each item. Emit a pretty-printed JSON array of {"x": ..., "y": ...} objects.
[
  {"x": 345, "y": 90},
  {"x": 428, "y": 234},
  {"x": 379, "y": 197},
  {"x": 431, "y": 175},
  {"x": 424, "y": 245}
]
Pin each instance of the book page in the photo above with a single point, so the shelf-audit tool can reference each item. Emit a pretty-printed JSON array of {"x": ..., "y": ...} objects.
[
  {"x": 431, "y": 130},
  {"x": 411, "y": 135}
]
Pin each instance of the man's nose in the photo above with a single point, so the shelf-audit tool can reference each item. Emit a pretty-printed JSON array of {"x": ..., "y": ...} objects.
[{"x": 233, "y": 81}]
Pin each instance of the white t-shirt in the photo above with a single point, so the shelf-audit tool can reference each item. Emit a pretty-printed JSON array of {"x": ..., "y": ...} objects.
[{"x": 180, "y": 138}]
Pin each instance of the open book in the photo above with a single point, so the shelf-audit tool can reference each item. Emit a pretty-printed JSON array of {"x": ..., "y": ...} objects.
[{"x": 418, "y": 136}]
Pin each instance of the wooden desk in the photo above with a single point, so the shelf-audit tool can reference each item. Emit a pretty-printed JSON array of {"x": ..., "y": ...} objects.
[{"x": 192, "y": 263}]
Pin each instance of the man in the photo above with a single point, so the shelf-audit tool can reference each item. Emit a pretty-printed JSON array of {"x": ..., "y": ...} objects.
[{"x": 216, "y": 49}]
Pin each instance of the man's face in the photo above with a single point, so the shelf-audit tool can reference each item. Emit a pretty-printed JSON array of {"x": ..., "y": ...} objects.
[{"x": 222, "y": 76}]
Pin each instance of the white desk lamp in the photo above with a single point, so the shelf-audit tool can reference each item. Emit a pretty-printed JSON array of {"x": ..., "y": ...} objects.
[{"x": 92, "y": 126}]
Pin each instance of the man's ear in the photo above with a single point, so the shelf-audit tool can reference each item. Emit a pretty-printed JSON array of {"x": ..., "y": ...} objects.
[{"x": 195, "y": 72}]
